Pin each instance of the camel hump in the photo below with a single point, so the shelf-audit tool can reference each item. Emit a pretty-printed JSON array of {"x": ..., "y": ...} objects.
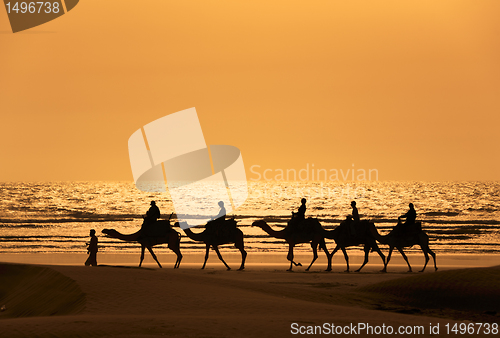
[
  {"x": 231, "y": 222},
  {"x": 217, "y": 223},
  {"x": 416, "y": 227},
  {"x": 413, "y": 228},
  {"x": 404, "y": 230},
  {"x": 222, "y": 228},
  {"x": 159, "y": 228},
  {"x": 355, "y": 228},
  {"x": 306, "y": 225}
]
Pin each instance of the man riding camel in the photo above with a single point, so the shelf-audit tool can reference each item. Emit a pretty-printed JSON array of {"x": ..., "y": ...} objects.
[
  {"x": 221, "y": 216},
  {"x": 410, "y": 216},
  {"x": 298, "y": 218},
  {"x": 300, "y": 215},
  {"x": 409, "y": 223},
  {"x": 153, "y": 213},
  {"x": 150, "y": 218},
  {"x": 352, "y": 219},
  {"x": 355, "y": 214}
]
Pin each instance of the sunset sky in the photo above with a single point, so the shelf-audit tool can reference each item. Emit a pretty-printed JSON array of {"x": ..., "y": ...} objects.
[{"x": 410, "y": 88}]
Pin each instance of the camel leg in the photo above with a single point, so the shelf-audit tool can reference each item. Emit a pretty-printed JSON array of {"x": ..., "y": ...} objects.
[
  {"x": 150, "y": 249},
  {"x": 290, "y": 257},
  {"x": 206, "y": 256},
  {"x": 142, "y": 254},
  {"x": 426, "y": 250},
  {"x": 241, "y": 247},
  {"x": 335, "y": 250},
  {"x": 377, "y": 249},
  {"x": 388, "y": 259},
  {"x": 433, "y": 258},
  {"x": 179, "y": 257},
  {"x": 330, "y": 259},
  {"x": 406, "y": 258},
  {"x": 322, "y": 245},
  {"x": 426, "y": 255},
  {"x": 175, "y": 247},
  {"x": 314, "y": 247},
  {"x": 220, "y": 257},
  {"x": 367, "y": 252},
  {"x": 346, "y": 258}
]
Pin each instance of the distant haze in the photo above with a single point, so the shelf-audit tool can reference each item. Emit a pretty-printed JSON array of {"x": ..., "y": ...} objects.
[{"x": 408, "y": 88}]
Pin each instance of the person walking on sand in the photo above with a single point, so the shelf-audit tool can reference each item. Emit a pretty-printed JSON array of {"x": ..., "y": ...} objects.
[{"x": 92, "y": 250}]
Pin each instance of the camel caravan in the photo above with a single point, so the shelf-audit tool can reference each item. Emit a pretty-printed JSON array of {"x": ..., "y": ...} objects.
[{"x": 351, "y": 232}]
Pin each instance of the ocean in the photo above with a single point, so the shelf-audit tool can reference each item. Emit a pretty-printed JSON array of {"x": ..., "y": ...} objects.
[{"x": 55, "y": 217}]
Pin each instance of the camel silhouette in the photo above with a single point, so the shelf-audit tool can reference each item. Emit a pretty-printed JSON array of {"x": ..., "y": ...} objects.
[
  {"x": 360, "y": 234},
  {"x": 157, "y": 233},
  {"x": 311, "y": 232},
  {"x": 215, "y": 236},
  {"x": 399, "y": 240}
]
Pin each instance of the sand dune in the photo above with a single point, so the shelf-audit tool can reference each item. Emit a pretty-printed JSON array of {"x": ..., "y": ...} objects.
[
  {"x": 189, "y": 302},
  {"x": 28, "y": 291},
  {"x": 462, "y": 294}
]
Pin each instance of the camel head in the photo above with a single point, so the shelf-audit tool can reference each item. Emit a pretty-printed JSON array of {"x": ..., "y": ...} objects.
[
  {"x": 232, "y": 220},
  {"x": 314, "y": 221},
  {"x": 259, "y": 223},
  {"x": 109, "y": 232},
  {"x": 183, "y": 225}
]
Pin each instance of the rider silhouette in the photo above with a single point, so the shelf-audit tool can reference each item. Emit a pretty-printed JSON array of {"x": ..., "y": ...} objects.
[
  {"x": 300, "y": 215},
  {"x": 150, "y": 218},
  {"x": 353, "y": 218},
  {"x": 355, "y": 214},
  {"x": 221, "y": 216},
  {"x": 153, "y": 213},
  {"x": 410, "y": 216},
  {"x": 218, "y": 222}
]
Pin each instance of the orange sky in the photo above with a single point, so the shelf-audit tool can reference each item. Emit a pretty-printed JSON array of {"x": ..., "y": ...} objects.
[{"x": 410, "y": 88}]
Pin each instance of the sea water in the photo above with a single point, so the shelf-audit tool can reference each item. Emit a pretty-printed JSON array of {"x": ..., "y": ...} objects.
[{"x": 53, "y": 217}]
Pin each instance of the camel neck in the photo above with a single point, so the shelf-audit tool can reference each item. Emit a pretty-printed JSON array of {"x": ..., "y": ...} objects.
[
  {"x": 270, "y": 231},
  {"x": 192, "y": 235},
  {"x": 125, "y": 237},
  {"x": 378, "y": 237}
]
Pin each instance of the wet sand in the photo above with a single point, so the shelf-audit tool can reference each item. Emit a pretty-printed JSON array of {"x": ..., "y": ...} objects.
[
  {"x": 233, "y": 258},
  {"x": 120, "y": 300}
]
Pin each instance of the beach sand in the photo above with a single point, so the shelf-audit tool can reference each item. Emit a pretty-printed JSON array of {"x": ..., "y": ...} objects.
[{"x": 121, "y": 300}]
